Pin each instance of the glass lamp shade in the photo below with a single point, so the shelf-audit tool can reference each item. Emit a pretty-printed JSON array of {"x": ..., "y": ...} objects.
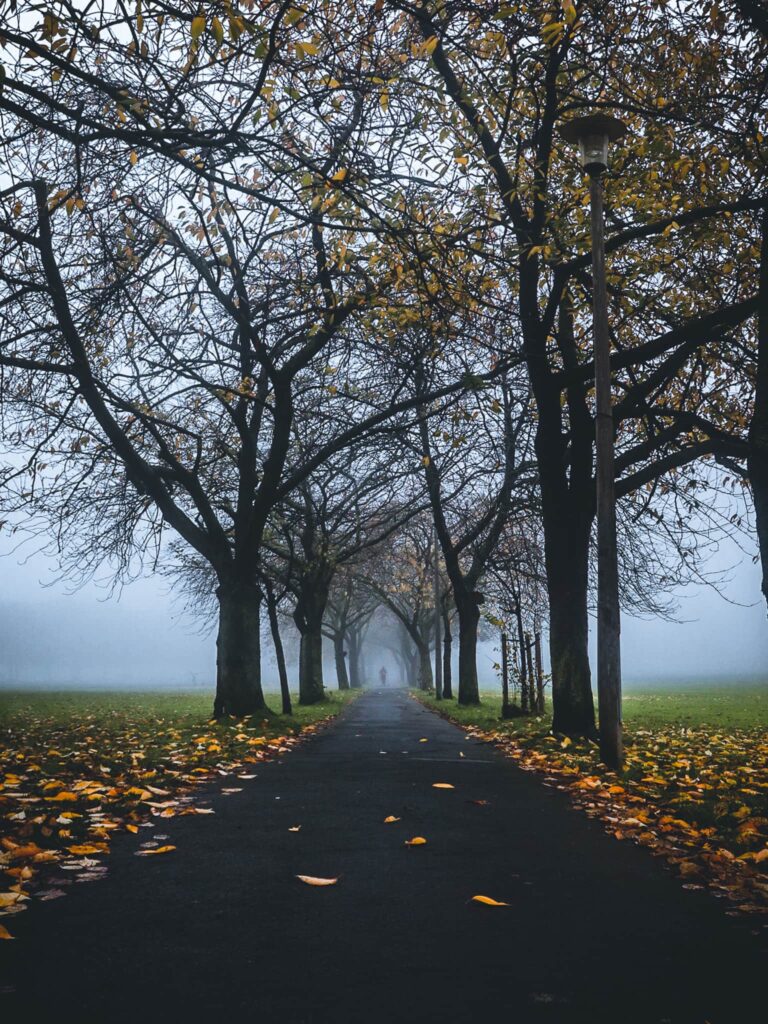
[{"x": 592, "y": 135}]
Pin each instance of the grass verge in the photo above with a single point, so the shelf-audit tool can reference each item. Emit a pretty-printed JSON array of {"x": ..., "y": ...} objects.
[{"x": 80, "y": 767}]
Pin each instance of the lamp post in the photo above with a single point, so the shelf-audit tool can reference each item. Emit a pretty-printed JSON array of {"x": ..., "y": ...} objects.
[
  {"x": 593, "y": 134},
  {"x": 437, "y": 622}
]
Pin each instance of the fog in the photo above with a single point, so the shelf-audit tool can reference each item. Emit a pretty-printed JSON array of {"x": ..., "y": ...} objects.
[{"x": 142, "y": 638}]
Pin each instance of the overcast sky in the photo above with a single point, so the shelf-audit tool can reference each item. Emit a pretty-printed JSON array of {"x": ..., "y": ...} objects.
[{"x": 143, "y": 638}]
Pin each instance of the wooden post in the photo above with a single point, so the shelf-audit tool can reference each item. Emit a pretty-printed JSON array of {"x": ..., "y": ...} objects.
[
  {"x": 539, "y": 673},
  {"x": 608, "y": 613}
]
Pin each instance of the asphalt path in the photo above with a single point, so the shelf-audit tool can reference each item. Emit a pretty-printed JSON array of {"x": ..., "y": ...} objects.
[{"x": 221, "y": 929}]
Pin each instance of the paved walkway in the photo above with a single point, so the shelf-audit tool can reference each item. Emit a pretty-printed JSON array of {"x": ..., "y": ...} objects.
[{"x": 221, "y": 930}]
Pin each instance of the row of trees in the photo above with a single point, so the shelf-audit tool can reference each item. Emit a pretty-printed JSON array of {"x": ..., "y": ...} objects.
[{"x": 281, "y": 283}]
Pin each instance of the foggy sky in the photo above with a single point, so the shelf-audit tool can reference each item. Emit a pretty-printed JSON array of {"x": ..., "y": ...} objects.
[{"x": 144, "y": 639}]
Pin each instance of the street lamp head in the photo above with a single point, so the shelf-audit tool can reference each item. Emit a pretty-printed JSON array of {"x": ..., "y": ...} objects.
[{"x": 592, "y": 135}]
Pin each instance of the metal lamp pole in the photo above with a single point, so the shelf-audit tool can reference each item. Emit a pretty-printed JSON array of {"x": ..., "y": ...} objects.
[
  {"x": 437, "y": 622},
  {"x": 592, "y": 135}
]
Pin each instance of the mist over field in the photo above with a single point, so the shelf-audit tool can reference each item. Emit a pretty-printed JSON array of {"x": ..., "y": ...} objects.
[{"x": 143, "y": 638}]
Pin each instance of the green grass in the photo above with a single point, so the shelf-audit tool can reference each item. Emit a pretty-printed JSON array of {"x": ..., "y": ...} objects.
[
  {"x": 183, "y": 709},
  {"x": 725, "y": 708}
]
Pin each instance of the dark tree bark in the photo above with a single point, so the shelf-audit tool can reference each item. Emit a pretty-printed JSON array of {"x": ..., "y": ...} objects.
[
  {"x": 308, "y": 616},
  {"x": 238, "y": 647},
  {"x": 277, "y": 641},
  {"x": 341, "y": 661},
  {"x": 355, "y": 679},
  {"x": 757, "y": 460},
  {"x": 424, "y": 667},
  {"x": 468, "y": 612},
  {"x": 447, "y": 652}
]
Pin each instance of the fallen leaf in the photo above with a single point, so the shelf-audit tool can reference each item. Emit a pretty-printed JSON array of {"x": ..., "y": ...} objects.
[
  {"x": 295, "y": 828},
  {"x": 489, "y": 902},
  {"x": 8, "y": 899},
  {"x": 149, "y": 853},
  {"x": 424, "y": 740},
  {"x": 87, "y": 848},
  {"x": 4, "y": 933},
  {"x": 442, "y": 785},
  {"x": 390, "y": 818},
  {"x": 132, "y": 828},
  {"x": 416, "y": 841},
  {"x": 310, "y": 880}
]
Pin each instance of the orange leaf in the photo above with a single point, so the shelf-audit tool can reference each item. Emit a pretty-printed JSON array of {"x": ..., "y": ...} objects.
[
  {"x": 489, "y": 902},
  {"x": 416, "y": 841},
  {"x": 150, "y": 853},
  {"x": 442, "y": 785},
  {"x": 390, "y": 818},
  {"x": 4, "y": 933},
  {"x": 87, "y": 848}
]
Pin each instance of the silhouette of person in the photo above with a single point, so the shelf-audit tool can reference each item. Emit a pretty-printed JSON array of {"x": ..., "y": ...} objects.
[{"x": 383, "y": 675}]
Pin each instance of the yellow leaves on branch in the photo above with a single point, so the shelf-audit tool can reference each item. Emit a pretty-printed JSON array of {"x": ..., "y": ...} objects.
[
  {"x": 312, "y": 880},
  {"x": 198, "y": 26}
]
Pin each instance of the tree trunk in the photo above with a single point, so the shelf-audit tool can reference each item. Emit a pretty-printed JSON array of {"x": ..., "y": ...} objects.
[
  {"x": 311, "y": 666},
  {"x": 277, "y": 643},
  {"x": 757, "y": 461},
  {"x": 447, "y": 650},
  {"x": 567, "y": 553},
  {"x": 341, "y": 661},
  {"x": 355, "y": 681},
  {"x": 238, "y": 651},
  {"x": 425, "y": 667},
  {"x": 469, "y": 617}
]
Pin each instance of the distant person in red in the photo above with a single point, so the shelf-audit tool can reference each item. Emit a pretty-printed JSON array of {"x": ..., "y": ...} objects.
[{"x": 383, "y": 675}]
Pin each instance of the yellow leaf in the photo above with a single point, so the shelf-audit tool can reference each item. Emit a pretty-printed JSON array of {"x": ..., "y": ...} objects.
[
  {"x": 442, "y": 785},
  {"x": 132, "y": 828},
  {"x": 218, "y": 31},
  {"x": 339, "y": 175},
  {"x": 151, "y": 853},
  {"x": 390, "y": 818},
  {"x": 8, "y": 899},
  {"x": 86, "y": 848},
  {"x": 430, "y": 45},
  {"x": 424, "y": 740},
  {"x": 310, "y": 880},
  {"x": 416, "y": 841},
  {"x": 134, "y": 159},
  {"x": 63, "y": 795},
  {"x": 198, "y": 26},
  {"x": 489, "y": 902},
  {"x": 306, "y": 49},
  {"x": 4, "y": 933}
]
